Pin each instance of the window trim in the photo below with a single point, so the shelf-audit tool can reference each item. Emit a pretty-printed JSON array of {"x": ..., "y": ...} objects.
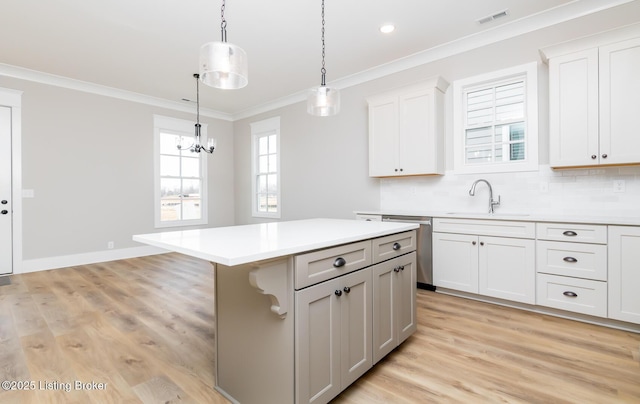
[
  {"x": 528, "y": 72},
  {"x": 266, "y": 127},
  {"x": 185, "y": 127}
]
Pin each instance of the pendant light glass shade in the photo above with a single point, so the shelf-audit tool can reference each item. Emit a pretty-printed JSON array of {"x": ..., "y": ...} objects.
[
  {"x": 323, "y": 101},
  {"x": 223, "y": 65}
]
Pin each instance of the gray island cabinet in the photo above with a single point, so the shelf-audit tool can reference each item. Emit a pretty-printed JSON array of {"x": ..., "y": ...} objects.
[{"x": 303, "y": 308}]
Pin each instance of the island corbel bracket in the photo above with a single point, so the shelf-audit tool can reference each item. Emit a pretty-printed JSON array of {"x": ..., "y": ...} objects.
[{"x": 271, "y": 279}]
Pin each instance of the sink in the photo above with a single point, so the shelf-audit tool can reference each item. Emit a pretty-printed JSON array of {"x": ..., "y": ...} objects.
[{"x": 487, "y": 214}]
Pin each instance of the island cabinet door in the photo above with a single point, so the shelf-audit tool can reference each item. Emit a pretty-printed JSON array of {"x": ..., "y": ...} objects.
[
  {"x": 333, "y": 336},
  {"x": 394, "y": 303}
]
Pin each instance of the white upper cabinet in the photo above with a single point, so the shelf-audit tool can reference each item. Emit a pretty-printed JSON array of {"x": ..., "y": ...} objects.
[
  {"x": 594, "y": 93},
  {"x": 406, "y": 130}
]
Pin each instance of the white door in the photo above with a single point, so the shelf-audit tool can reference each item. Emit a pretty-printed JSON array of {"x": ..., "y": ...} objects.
[{"x": 6, "y": 244}]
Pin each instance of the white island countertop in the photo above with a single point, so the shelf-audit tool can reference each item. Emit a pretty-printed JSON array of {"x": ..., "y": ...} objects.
[{"x": 236, "y": 245}]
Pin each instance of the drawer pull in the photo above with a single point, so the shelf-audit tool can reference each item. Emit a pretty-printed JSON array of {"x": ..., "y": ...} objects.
[
  {"x": 347, "y": 289},
  {"x": 570, "y": 233},
  {"x": 338, "y": 292},
  {"x": 570, "y": 294},
  {"x": 339, "y": 262},
  {"x": 570, "y": 259},
  {"x": 396, "y": 269},
  {"x": 396, "y": 246}
]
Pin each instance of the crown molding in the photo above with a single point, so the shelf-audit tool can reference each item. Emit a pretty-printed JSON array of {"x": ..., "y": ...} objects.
[{"x": 98, "y": 89}]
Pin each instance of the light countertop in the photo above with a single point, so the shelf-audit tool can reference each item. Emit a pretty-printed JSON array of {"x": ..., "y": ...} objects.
[
  {"x": 235, "y": 245},
  {"x": 516, "y": 216}
]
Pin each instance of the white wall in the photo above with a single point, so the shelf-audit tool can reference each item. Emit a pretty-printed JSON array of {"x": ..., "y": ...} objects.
[
  {"x": 325, "y": 166},
  {"x": 89, "y": 161}
]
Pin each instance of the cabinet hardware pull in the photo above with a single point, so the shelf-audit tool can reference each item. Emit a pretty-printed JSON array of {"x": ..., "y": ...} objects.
[
  {"x": 4, "y": 211},
  {"x": 4, "y": 202},
  {"x": 570, "y": 259},
  {"x": 473, "y": 243},
  {"x": 339, "y": 262},
  {"x": 402, "y": 267},
  {"x": 396, "y": 269},
  {"x": 570, "y": 294},
  {"x": 569, "y": 233},
  {"x": 347, "y": 289},
  {"x": 604, "y": 156},
  {"x": 482, "y": 243},
  {"x": 593, "y": 157},
  {"x": 396, "y": 246},
  {"x": 338, "y": 292}
]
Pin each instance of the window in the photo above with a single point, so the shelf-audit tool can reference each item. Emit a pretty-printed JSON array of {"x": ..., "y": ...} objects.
[
  {"x": 180, "y": 175},
  {"x": 265, "y": 168},
  {"x": 496, "y": 121}
]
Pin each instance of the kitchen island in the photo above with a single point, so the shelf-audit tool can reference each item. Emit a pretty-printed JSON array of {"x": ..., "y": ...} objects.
[{"x": 303, "y": 308}]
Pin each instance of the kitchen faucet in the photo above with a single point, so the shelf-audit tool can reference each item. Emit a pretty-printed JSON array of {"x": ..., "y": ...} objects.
[{"x": 492, "y": 202}]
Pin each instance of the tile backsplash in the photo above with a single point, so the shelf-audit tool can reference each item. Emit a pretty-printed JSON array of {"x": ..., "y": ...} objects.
[{"x": 602, "y": 191}]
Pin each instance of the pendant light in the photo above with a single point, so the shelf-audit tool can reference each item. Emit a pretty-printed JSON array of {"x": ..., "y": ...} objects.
[
  {"x": 323, "y": 100},
  {"x": 196, "y": 147},
  {"x": 222, "y": 64}
]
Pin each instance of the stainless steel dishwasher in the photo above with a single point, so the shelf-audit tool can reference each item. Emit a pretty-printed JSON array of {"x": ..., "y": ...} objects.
[{"x": 424, "y": 247}]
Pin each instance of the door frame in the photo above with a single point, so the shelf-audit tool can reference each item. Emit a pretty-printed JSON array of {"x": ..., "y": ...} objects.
[{"x": 13, "y": 99}]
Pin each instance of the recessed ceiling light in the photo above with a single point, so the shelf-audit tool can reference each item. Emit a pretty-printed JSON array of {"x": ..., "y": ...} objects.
[{"x": 387, "y": 28}]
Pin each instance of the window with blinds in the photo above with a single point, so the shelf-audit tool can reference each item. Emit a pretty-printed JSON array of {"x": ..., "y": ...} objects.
[{"x": 496, "y": 121}]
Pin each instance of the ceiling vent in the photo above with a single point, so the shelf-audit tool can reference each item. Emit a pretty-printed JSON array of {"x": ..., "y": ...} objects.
[{"x": 492, "y": 17}]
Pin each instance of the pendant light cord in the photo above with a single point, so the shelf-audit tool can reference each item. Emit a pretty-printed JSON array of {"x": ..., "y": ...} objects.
[
  {"x": 223, "y": 24},
  {"x": 323, "y": 70}
]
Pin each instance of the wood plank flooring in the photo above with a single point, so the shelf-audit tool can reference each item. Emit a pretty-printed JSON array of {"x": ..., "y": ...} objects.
[{"x": 144, "y": 328}]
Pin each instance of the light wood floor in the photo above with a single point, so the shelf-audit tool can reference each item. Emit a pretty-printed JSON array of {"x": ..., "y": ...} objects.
[{"x": 144, "y": 327}]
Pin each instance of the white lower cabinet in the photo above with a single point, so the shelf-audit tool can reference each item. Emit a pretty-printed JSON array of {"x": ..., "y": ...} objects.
[
  {"x": 333, "y": 335},
  {"x": 394, "y": 306},
  {"x": 455, "y": 261},
  {"x": 507, "y": 268},
  {"x": 624, "y": 273},
  {"x": 501, "y": 267},
  {"x": 584, "y": 296}
]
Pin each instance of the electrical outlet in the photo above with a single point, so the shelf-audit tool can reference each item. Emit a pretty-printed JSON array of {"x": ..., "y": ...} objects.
[
  {"x": 110, "y": 245},
  {"x": 544, "y": 186},
  {"x": 619, "y": 186}
]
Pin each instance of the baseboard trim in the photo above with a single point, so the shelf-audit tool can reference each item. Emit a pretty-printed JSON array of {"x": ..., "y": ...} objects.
[
  {"x": 605, "y": 322},
  {"x": 64, "y": 261}
]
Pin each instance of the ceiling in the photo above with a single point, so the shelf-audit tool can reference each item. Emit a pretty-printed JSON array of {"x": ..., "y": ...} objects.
[{"x": 151, "y": 47}]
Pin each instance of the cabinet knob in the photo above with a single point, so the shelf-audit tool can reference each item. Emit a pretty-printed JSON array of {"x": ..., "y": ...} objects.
[
  {"x": 396, "y": 246},
  {"x": 396, "y": 269},
  {"x": 402, "y": 267},
  {"x": 482, "y": 243},
  {"x": 473, "y": 243},
  {"x": 347, "y": 289},
  {"x": 4, "y": 202},
  {"x": 4, "y": 211},
  {"x": 401, "y": 169},
  {"x": 570, "y": 259},
  {"x": 569, "y": 233},
  {"x": 604, "y": 156},
  {"x": 339, "y": 262},
  {"x": 570, "y": 294},
  {"x": 396, "y": 170},
  {"x": 593, "y": 157},
  {"x": 338, "y": 292}
]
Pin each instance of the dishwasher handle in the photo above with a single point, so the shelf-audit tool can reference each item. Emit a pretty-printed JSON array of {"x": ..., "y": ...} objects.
[{"x": 423, "y": 222}]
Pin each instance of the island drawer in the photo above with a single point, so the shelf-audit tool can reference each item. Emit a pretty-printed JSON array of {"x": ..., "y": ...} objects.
[
  {"x": 579, "y": 260},
  {"x": 576, "y": 233},
  {"x": 572, "y": 294},
  {"x": 322, "y": 265},
  {"x": 394, "y": 245}
]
